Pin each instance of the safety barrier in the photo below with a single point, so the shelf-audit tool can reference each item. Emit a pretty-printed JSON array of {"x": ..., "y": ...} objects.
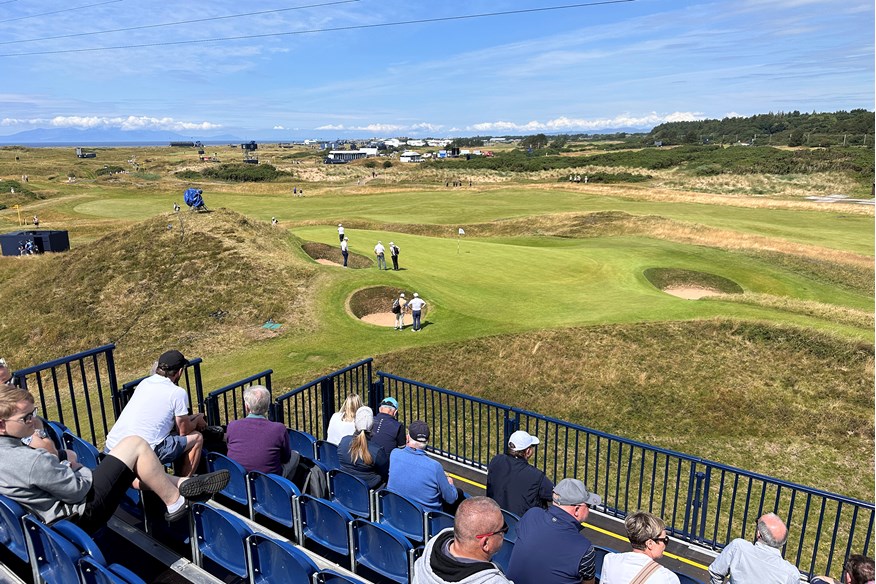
[
  {"x": 226, "y": 403},
  {"x": 702, "y": 502}
]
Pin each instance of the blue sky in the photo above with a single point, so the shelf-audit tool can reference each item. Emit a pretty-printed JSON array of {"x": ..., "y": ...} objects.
[{"x": 584, "y": 69}]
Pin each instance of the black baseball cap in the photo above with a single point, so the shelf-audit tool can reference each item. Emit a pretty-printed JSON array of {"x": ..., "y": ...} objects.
[
  {"x": 419, "y": 431},
  {"x": 172, "y": 360}
]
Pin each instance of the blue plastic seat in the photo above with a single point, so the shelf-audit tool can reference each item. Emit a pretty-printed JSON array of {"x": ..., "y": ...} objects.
[
  {"x": 503, "y": 556},
  {"x": 327, "y": 454},
  {"x": 601, "y": 552},
  {"x": 86, "y": 453},
  {"x": 324, "y": 523},
  {"x": 437, "y": 521},
  {"x": 303, "y": 443},
  {"x": 58, "y": 549},
  {"x": 274, "y": 497},
  {"x": 685, "y": 579},
  {"x": 381, "y": 549},
  {"x": 401, "y": 513},
  {"x": 12, "y": 529},
  {"x": 220, "y": 537},
  {"x": 350, "y": 492},
  {"x": 55, "y": 431},
  {"x": 236, "y": 489},
  {"x": 272, "y": 561},
  {"x": 94, "y": 572},
  {"x": 332, "y": 577},
  {"x": 511, "y": 521}
]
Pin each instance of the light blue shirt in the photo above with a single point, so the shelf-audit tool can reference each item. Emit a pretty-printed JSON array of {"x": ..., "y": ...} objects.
[
  {"x": 748, "y": 563},
  {"x": 421, "y": 479}
]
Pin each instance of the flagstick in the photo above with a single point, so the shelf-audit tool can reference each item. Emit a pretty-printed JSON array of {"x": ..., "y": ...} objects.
[{"x": 457, "y": 244}]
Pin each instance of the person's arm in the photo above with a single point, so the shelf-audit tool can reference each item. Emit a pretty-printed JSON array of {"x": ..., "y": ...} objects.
[
  {"x": 69, "y": 482},
  {"x": 719, "y": 568},
  {"x": 445, "y": 484},
  {"x": 186, "y": 424},
  {"x": 381, "y": 463},
  {"x": 285, "y": 449},
  {"x": 587, "y": 567},
  {"x": 401, "y": 438},
  {"x": 546, "y": 489}
]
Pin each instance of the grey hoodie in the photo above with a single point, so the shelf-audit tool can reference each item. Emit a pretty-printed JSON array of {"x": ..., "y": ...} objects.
[
  {"x": 38, "y": 481},
  {"x": 424, "y": 572}
]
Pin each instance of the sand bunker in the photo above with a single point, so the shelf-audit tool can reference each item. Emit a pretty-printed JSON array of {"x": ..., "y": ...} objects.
[
  {"x": 689, "y": 293},
  {"x": 374, "y": 305},
  {"x": 382, "y": 319},
  {"x": 326, "y": 262}
]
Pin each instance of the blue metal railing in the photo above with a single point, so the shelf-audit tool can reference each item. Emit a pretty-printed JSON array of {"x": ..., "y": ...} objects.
[
  {"x": 78, "y": 391},
  {"x": 702, "y": 502},
  {"x": 226, "y": 403},
  {"x": 190, "y": 381}
]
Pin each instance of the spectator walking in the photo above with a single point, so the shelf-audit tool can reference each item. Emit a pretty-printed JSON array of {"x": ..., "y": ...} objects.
[
  {"x": 399, "y": 305},
  {"x": 388, "y": 432},
  {"x": 360, "y": 456},
  {"x": 256, "y": 442},
  {"x": 516, "y": 485},
  {"x": 379, "y": 250},
  {"x": 393, "y": 254},
  {"x": 343, "y": 423},
  {"x": 647, "y": 535},
  {"x": 53, "y": 489},
  {"x": 858, "y": 569},
  {"x": 760, "y": 562},
  {"x": 344, "y": 251},
  {"x": 416, "y": 305},
  {"x": 36, "y": 221},
  {"x": 158, "y": 412},
  {"x": 340, "y": 232},
  {"x": 462, "y": 553},
  {"x": 421, "y": 479},
  {"x": 554, "y": 536}
]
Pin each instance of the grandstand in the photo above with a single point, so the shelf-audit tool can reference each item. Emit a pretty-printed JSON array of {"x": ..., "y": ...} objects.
[{"x": 262, "y": 525}]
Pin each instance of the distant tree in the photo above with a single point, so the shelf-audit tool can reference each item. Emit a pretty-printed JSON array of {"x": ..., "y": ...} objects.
[
  {"x": 535, "y": 142},
  {"x": 796, "y": 138},
  {"x": 387, "y": 164}
]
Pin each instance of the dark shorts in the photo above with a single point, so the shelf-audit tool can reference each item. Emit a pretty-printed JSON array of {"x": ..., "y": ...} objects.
[
  {"x": 170, "y": 448},
  {"x": 110, "y": 481}
]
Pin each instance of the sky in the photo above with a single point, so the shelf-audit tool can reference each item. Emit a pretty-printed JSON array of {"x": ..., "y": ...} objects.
[{"x": 384, "y": 68}]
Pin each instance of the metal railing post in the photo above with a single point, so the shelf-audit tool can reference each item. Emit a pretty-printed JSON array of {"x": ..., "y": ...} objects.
[
  {"x": 512, "y": 424},
  {"x": 327, "y": 392},
  {"x": 375, "y": 393}
]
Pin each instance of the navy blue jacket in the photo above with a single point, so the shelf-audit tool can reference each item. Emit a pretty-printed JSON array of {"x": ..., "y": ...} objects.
[
  {"x": 516, "y": 485},
  {"x": 374, "y": 474},
  {"x": 553, "y": 536}
]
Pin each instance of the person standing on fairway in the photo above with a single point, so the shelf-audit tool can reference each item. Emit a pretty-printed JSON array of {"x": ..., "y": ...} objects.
[
  {"x": 416, "y": 305},
  {"x": 340, "y": 232},
  {"x": 379, "y": 251},
  {"x": 398, "y": 309},
  {"x": 344, "y": 251},
  {"x": 393, "y": 253}
]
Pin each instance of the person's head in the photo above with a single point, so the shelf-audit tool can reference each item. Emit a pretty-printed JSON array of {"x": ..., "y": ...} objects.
[
  {"x": 391, "y": 244},
  {"x": 402, "y": 295},
  {"x": 418, "y": 434},
  {"x": 17, "y": 411},
  {"x": 171, "y": 365},
  {"x": 379, "y": 242},
  {"x": 257, "y": 399},
  {"x": 522, "y": 444},
  {"x": 573, "y": 497},
  {"x": 5, "y": 371},
  {"x": 647, "y": 533},
  {"x": 771, "y": 530},
  {"x": 359, "y": 444},
  {"x": 389, "y": 405},
  {"x": 351, "y": 404},
  {"x": 340, "y": 224},
  {"x": 346, "y": 239},
  {"x": 416, "y": 295},
  {"x": 478, "y": 529},
  {"x": 859, "y": 569}
]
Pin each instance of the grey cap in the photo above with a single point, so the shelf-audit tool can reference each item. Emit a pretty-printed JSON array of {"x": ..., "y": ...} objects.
[{"x": 574, "y": 492}]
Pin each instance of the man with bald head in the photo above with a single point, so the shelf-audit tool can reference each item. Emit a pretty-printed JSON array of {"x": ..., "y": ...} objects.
[
  {"x": 462, "y": 553},
  {"x": 760, "y": 562}
]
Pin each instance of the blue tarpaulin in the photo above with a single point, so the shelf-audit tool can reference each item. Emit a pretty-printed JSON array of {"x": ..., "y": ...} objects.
[{"x": 193, "y": 198}]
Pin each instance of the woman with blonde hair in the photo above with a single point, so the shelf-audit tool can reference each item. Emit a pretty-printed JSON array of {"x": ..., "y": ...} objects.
[
  {"x": 343, "y": 423},
  {"x": 361, "y": 457},
  {"x": 647, "y": 535}
]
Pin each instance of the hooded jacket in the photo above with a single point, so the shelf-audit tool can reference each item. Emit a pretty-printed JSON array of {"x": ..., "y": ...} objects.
[{"x": 436, "y": 567}]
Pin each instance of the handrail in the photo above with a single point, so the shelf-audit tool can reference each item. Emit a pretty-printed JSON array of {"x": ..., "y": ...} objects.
[{"x": 230, "y": 411}]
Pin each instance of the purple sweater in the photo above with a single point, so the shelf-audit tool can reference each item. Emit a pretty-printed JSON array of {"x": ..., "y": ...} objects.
[{"x": 258, "y": 444}]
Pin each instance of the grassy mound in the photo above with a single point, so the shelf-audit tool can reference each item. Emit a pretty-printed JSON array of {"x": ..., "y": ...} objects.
[
  {"x": 321, "y": 251},
  {"x": 373, "y": 300},
  {"x": 786, "y": 402},
  {"x": 201, "y": 282},
  {"x": 663, "y": 278}
]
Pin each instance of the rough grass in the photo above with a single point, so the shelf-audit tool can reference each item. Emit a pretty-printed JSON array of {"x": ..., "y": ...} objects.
[
  {"x": 205, "y": 285},
  {"x": 788, "y": 403}
]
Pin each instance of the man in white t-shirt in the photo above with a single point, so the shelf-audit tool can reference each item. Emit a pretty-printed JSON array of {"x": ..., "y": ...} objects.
[
  {"x": 345, "y": 250},
  {"x": 157, "y": 407},
  {"x": 416, "y": 305},
  {"x": 340, "y": 232},
  {"x": 379, "y": 251}
]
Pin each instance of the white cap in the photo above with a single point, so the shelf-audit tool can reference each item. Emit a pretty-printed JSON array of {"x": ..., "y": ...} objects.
[
  {"x": 416, "y": 295},
  {"x": 339, "y": 225},
  {"x": 364, "y": 418},
  {"x": 390, "y": 243},
  {"x": 402, "y": 295},
  {"x": 521, "y": 440}
]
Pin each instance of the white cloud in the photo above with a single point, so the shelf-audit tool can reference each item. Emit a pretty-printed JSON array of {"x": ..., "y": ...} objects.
[
  {"x": 278, "y": 128},
  {"x": 426, "y": 127},
  {"x": 122, "y": 123},
  {"x": 563, "y": 124}
]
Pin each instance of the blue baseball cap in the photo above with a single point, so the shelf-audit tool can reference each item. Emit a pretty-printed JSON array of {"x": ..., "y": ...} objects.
[{"x": 390, "y": 401}]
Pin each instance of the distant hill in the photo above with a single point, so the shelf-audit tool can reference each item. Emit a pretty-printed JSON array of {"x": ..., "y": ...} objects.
[
  {"x": 854, "y": 128},
  {"x": 103, "y": 136}
]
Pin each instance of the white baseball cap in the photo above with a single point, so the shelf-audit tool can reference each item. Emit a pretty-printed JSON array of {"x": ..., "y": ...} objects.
[
  {"x": 416, "y": 295},
  {"x": 521, "y": 440},
  {"x": 402, "y": 295}
]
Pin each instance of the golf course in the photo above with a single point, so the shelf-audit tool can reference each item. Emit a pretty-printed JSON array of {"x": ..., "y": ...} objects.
[{"x": 556, "y": 297}]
